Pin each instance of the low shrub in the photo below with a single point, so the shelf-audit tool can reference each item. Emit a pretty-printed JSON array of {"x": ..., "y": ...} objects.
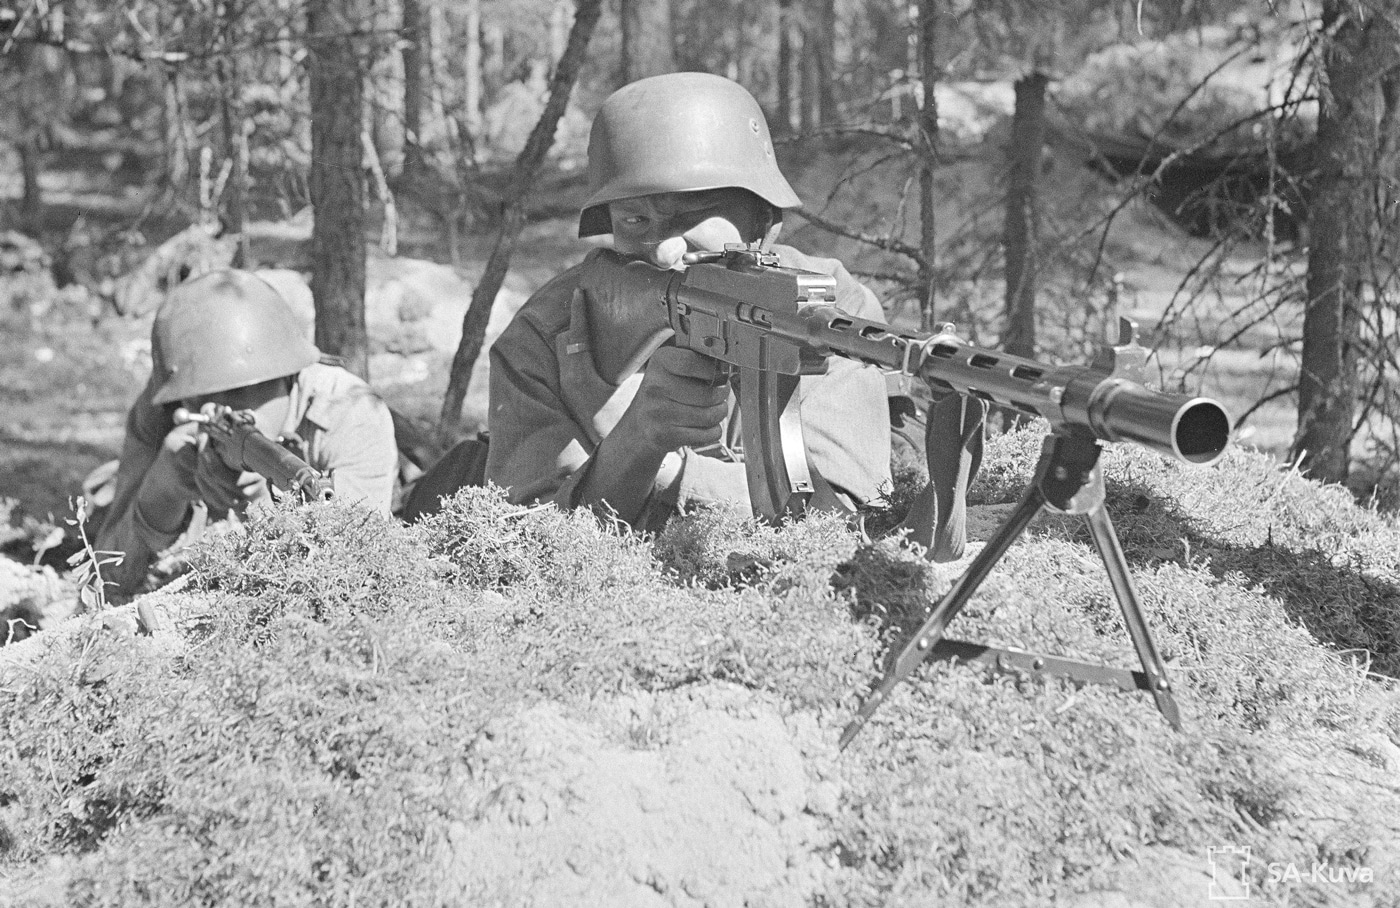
[{"x": 321, "y": 740}]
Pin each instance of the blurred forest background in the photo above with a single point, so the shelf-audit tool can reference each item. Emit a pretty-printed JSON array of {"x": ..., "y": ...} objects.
[{"x": 1223, "y": 171}]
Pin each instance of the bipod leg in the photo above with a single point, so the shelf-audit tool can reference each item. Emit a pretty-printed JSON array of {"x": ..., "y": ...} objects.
[
  {"x": 933, "y": 628},
  {"x": 1106, "y": 541},
  {"x": 1074, "y": 485},
  {"x": 1068, "y": 480}
]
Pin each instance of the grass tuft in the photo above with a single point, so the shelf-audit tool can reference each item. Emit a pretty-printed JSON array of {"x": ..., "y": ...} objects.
[{"x": 326, "y": 562}]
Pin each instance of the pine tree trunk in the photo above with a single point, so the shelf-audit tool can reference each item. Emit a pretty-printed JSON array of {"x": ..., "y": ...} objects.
[
  {"x": 177, "y": 150},
  {"x": 809, "y": 96},
  {"x": 784, "y": 107},
  {"x": 1360, "y": 48},
  {"x": 31, "y": 103},
  {"x": 646, "y": 39},
  {"x": 927, "y": 23},
  {"x": 228, "y": 74},
  {"x": 31, "y": 165},
  {"x": 1020, "y": 231},
  {"x": 336, "y": 62},
  {"x": 472, "y": 80},
  {"x": 823, "y": 51},
  {"x": 1388, "y": 160},
  {"x": 414, "y": 34},
  {"x": 439, "y": 34}
]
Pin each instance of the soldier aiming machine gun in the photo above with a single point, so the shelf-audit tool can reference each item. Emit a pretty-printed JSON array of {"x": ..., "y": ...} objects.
[
  {"x": 235, "y": 435},
  {"x": 771, "y": 324}
]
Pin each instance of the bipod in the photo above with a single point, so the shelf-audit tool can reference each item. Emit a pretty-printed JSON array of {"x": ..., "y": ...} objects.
[{"x": 1068, "y": 479}]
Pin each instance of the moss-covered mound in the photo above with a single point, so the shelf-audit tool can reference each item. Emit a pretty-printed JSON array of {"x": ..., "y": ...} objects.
[{"x": 511, "y": 706}]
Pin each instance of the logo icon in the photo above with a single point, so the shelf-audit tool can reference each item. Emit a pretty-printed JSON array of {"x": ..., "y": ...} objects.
[{"x": 1229, "y": 872}]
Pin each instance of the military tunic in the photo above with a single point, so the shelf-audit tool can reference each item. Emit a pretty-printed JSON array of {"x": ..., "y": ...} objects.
[
  {"x": 550, "y": 408},
  {"x": 340, "y": 426}
]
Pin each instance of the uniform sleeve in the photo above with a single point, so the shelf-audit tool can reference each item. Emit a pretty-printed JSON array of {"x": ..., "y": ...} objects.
[
  {"x": 122, "y": 528},
  {"x": 358, "y": 452},
  {"x": 711, "y": 480},
  {"x": 535, "y": 453}
]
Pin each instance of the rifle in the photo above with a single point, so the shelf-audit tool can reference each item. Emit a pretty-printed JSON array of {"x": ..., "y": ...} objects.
[
  {"x": 771, "y": 324},
  {"x": 235, "y": 434}
]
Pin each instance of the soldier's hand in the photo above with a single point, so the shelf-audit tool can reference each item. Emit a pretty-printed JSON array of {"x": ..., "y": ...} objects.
[
  {"x": 169, "y": 487},
  {"x": 613, "y": 277},
  {"x": 221, "y": 487},
  {"x": 682, "y": 401},
  {"x": 172, "y": 473},
  {"x": 624, "y": 286}
]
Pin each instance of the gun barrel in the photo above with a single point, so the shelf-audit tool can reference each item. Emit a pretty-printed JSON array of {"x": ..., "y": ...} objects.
[
  {"x": 1111, "y": 406},
  {"x": 239, "y": 442},
  {"x": 282, "y": 468},
  {"x": 1190, "y": 429}
]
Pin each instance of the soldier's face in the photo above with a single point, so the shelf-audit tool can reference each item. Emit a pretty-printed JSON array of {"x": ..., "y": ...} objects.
[
  {"x": 663, "y": 227},
  {"x": 270, "y": 402}
]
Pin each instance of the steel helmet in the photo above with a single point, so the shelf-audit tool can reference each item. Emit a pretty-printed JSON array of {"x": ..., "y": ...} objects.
[
  {"x": 680, "y": 132},
  {"x": 224, "y": 330}
]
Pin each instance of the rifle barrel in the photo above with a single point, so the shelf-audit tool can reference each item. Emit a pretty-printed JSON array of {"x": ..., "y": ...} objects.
[
  {"x": 282, "y": 468},
  {"x": 240, "y": 442}
]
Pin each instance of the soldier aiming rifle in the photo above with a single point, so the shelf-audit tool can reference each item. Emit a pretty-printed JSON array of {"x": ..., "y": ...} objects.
[
  {"x": 595, "y": 404},
  {"x": 238, "y": 397}
]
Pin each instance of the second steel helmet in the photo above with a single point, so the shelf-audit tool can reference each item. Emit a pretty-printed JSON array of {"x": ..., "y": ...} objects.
[
  {"x": 680, "y": 132},
  {"x": 225, "y": 330}
]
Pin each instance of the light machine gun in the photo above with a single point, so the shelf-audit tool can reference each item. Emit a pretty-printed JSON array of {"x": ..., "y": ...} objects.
[
  {"x": 240, "y": 444},
  {"x": 772, "y": 324}
]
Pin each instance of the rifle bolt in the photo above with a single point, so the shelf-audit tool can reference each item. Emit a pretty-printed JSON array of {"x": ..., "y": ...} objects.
[
  {"x": 1038, "y": 664},
  {"x": 923, "y": 643}
]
